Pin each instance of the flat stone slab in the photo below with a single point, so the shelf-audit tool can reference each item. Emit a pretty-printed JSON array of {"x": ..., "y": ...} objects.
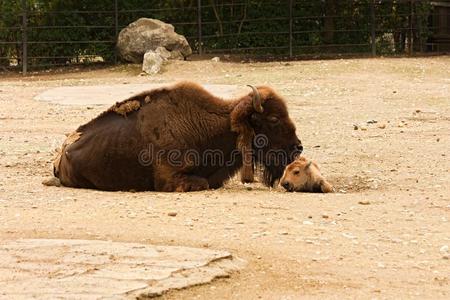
[
  {"x": 110, "y": 94},
  {"x": 83, "y": 269}
]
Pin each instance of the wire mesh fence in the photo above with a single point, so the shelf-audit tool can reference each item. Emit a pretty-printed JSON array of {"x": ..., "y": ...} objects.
[{"x": 33, "y": 34}]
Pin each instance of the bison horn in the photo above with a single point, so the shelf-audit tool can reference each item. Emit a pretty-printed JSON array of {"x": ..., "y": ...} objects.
[{"x": 256, "y": 100}]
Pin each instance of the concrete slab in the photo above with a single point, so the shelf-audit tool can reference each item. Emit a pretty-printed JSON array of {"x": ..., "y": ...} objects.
[
  {"x": 82, "y": 269},
  {"x": 110, "y": 94}
]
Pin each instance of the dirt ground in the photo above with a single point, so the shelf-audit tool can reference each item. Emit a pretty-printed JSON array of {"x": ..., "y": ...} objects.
[{"x": 385, "y": 234}]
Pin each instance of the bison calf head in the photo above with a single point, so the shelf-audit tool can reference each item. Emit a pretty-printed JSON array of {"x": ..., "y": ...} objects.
[
  {"x": 267, "y": 135},
  {"x": 304, "y": 176}
]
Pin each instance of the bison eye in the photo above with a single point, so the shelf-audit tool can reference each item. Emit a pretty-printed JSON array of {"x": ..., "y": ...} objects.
[
  {"x": 296, "y": 172},
  {"x": 273, "y": 120}
]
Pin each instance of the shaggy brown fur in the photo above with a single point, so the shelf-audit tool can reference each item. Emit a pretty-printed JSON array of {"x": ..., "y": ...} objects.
[
  {"x": 124, "y": 108},
  {"x": 129, "y": 146},
  {"x": 71, "y": 138},
  {"x": 304, "y": 176}
]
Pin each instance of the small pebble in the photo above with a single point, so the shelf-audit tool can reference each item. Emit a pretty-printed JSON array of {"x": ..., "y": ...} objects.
[
  {"x": 364, "y": 202},
  {"x": 172, "y": 214}
]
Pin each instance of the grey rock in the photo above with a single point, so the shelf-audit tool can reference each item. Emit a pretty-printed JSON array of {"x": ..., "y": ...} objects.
[
  {"x": 81, "y": 269},
  {"x": 176, "y": 55},
  {"x": 147, "y": 34},
  {"x": 163, "y": 52},
  {"x": 152, "y": 62},
  {"x": 169, "y": 55}
]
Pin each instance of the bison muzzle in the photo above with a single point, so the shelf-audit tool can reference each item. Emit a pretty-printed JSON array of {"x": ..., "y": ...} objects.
[{"x": 180, "y": 138}]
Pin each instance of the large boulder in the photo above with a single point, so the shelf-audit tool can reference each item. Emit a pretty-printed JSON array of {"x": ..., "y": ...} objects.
[{"x": 146, "y": 34}]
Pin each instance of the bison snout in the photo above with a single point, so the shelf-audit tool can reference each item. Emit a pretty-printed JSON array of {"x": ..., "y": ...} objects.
[
  {"x": 287, "y": 186},
  {"x": 298, "y": 148}
]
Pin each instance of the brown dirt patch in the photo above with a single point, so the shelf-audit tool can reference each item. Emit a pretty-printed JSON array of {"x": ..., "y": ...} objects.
[{"x": 380, "y": 239}]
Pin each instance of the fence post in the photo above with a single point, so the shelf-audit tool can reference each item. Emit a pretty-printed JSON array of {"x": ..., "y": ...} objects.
[
  {"x": 199, "y": 29},
  {"x": 291, "y": 27},
  {"x": 418, "y": 21},
  {"x": 411, "y": 29},
  {"x": 24, "y": 38},
  {"x": 372, "y": 28},
  {"x": 116, "y": 27}
]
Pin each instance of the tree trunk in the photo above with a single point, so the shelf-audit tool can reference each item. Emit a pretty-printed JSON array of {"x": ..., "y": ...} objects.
[{"x": 216, "y": 13}]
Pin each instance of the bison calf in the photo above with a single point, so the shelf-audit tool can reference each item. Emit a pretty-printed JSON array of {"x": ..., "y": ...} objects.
[{"x": 303, "y": 175}]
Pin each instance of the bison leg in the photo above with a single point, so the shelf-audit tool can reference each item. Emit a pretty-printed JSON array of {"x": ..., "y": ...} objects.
[
  {"x": 217, "y": 179},
  {"x": 170, "y": 179},
  {"x": 326, "y": 187},
  {"x": 180, "y": 183},
  {"x": 191, "y": 184}
]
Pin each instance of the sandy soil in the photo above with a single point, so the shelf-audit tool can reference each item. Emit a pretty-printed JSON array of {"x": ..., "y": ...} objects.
[{"x": 384, "y": 235}]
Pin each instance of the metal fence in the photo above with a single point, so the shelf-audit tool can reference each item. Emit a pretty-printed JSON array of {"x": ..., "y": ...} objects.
[{"x": 31, "y": 37}]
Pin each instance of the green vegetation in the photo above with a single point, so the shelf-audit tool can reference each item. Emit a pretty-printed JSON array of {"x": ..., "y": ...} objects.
[{"x": 74, "y": 31}]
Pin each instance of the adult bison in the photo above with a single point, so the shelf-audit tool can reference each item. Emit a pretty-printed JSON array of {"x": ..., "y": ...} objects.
[{"x": 180, "y": 138}]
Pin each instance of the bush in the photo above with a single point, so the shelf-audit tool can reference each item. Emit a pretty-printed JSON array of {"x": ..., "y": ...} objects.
[{"x": 75, "y": 31}]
